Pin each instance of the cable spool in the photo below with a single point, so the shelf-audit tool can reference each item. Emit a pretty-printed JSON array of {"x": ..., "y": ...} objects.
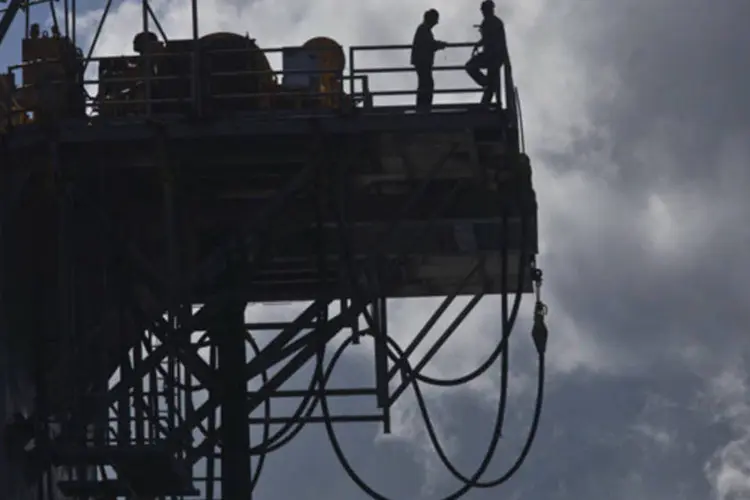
[
  {"x": 330, "y": 55},
  {"x": 227, "y": 53}
]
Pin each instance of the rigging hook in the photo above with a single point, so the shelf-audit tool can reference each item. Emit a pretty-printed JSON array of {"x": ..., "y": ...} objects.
[{"x": 539, "y": 331}]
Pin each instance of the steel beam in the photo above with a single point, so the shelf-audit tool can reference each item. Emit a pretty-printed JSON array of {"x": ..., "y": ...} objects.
[
  {"x": 235, "y": 428},
  {"x": 8, "y": 17}
]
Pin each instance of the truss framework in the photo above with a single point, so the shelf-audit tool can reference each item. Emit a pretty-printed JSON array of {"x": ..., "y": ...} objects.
[{"x": 150, "y": 414}]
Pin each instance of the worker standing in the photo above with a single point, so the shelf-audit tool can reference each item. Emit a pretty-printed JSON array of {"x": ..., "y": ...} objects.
[
  {"x": 493, "y": 56},
  {"x": 423, "y": 51}
]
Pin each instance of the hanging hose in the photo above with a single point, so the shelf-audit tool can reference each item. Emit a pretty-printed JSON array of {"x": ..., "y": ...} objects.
[
  {"x": 539, "y": 336},
  {"x": 469, "y": 483},
  {"x": 322, "y": 375}
]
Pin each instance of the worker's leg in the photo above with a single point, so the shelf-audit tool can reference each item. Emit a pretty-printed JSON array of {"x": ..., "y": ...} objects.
[
  {"x": 425, "y": 88},
  {"x": 474, "y": 68},
  {"x": 429, "y": 91},
  {"x": 493, "y": 85}
]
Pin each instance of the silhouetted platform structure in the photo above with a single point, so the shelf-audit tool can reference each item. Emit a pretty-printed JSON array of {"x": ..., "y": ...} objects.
[
  {"x": 229, "y": 170},
  {"x": 441, "y": 202}
]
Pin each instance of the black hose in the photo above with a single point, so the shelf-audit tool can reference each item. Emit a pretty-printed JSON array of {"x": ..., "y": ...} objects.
[
  {"x": 472, "y": 482},
  {"x": 469, "y": 483}
]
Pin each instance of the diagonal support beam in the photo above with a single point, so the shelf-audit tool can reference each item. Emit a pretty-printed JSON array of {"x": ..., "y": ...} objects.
[
  {"x": 317, "y": 340},
  {"x": 434, "y": 318},
  {"x": 411, "y": 375},
  {"x": 7, "y": 20},
  {"x": 272, "y": 354},
  {"x": 214, "y": 266},
  {"x": 189, "y": 357},
  {"x": 166, "y": 349}
]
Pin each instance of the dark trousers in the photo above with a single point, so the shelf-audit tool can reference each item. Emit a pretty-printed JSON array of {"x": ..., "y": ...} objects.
[
  {"x": 490, "y": 81},
  {"x": 425, "y": 87}
]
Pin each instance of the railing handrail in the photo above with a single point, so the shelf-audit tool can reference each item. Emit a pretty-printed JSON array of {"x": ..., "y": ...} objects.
[
  {"x": 354, "y": 73},
  {"x": 369, "y": 48},
  {"x": 404, "y": 69},
  {"x": 509, "y": 89},
  {"x": 519, "y": 111}
]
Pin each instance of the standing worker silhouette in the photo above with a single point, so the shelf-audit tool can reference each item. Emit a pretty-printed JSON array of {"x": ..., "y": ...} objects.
[
  {"x": 494, "y": 53},
  {"x": 423, "y": 50}
]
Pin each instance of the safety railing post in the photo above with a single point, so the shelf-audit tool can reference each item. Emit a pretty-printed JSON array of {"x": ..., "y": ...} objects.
[
  {"x": 195, "y": 84},
  {"x": 352, "y": 50},
  {"x": 510, "y": 106},
  {"x": 366, "y": 95}
]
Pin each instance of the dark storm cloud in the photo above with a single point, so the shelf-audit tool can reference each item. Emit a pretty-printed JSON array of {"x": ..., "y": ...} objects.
[
  {"x": 681, "y": 97},
  {"x": 676, "y": 126},
  {"x": 680, "y": 62}
]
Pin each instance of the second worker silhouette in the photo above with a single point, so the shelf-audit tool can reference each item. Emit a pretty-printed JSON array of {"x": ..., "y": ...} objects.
[{"x": 493, "y": 56}]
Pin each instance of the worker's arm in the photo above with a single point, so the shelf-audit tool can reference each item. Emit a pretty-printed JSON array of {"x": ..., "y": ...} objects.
[
  {"x": 429, "y": 41},
  {"x": 480, "y": 42}
]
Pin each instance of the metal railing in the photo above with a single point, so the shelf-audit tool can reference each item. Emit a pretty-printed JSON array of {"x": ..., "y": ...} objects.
[
  {"x": 138, "y": 90},
  {"x": 135, "y": 79},
  {"x": 506, "y": 85}
]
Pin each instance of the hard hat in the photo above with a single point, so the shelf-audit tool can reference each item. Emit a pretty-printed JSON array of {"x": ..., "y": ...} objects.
[
  {"x": 488, "y": 4},
  {"x": 143, "y": 40}
]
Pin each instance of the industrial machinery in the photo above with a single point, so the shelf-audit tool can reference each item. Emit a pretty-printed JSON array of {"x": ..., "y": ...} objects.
[
  {"x": 139, "y": 226},
  {"x": 11, "y": 112},
  {"x": 52, "y": 88},
  {"x": 233, "y": 73}
]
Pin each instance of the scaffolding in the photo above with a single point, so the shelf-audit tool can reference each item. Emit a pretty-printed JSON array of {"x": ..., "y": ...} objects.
[{"x": 132, "y": 244}]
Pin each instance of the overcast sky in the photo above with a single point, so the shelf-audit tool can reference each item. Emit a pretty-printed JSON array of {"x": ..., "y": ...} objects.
[{"x": 637, "y": 118}]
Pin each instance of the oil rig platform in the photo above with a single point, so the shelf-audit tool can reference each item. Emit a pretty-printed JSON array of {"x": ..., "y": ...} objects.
[{"x": 139, "y": 223}]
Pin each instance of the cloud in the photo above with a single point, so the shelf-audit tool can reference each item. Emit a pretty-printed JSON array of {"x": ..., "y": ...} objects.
[{"x": 727, "y": 397}]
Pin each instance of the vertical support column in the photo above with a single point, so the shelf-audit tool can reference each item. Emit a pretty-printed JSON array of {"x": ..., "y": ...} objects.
[
  {"x": 235, "y": 427},
  {"x": 53, "y": 342},
  {"x": 148, "y": 67},
  {"x": 195, "y": 70},
  {"x": 172, "y": 265},
  {"x": 194, "y": 13},
  {"x": 381, "y": 359},
  {"x": 138, "y": 395},
  {"x": 73, "y": 19},
  {"x": 124, "y": 411}
]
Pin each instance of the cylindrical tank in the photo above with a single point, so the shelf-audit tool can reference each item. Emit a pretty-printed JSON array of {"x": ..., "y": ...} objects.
[
  {"x": 332, "y": 58},
  {"x": 235, "y": 71},
  {"x": 331, "y": 54}
]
